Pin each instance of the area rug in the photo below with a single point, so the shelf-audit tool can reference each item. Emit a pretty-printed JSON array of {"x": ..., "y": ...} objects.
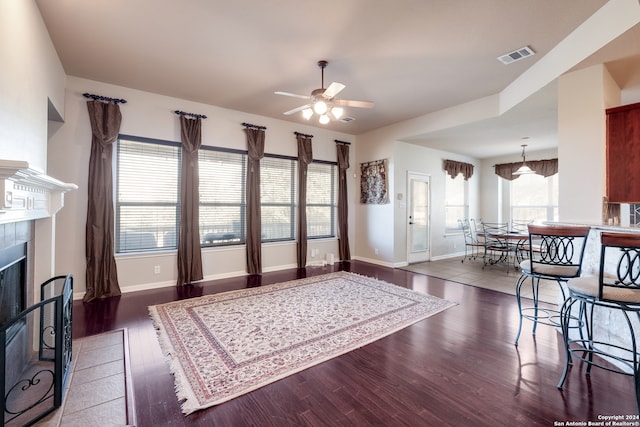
[{"x": 224, "y": 345}]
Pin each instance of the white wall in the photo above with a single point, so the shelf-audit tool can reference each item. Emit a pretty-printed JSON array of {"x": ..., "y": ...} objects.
[
  {"x": 583, "y": 96},
  {"x": 31, "y": 81},
  {"x": 413, "y": 158},
  {"x": 374, "y": 223},
  {"x": 30, "y": 75},
  {"x": 151, "y": 115}
]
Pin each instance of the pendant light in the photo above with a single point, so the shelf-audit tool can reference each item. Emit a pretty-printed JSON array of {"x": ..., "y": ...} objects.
[{"x": 524, "y": 169}]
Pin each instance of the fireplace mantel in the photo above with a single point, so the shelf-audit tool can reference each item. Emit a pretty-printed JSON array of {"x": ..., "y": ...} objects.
[{"x": 28, "y": 193}]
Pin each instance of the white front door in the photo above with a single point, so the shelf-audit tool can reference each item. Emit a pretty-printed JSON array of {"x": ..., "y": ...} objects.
[{"x": 418, "y": 221}]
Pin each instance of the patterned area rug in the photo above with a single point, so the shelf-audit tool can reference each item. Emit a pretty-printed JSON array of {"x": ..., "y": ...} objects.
[{"x": 222, "y": 346}]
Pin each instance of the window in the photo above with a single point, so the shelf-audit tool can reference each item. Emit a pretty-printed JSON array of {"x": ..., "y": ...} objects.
[
  {"x": 634, "y": 214},
  {"x": 534, "y": 197},
  {"x": 322, "y": 199},
  {"x": 278, "y": 197},
  {"x": 147, "y": 194},
  {"x": 456, "y": 202},
  {"x": 222, "y": 196}
]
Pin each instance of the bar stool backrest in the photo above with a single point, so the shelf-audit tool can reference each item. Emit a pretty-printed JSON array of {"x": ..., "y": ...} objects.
[
  {"x": 619, "y": 262},
  {"x": 557, "y": 250}
]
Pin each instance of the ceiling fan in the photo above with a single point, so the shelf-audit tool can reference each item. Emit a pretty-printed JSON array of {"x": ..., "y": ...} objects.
[{"x": 323, "y": 101}]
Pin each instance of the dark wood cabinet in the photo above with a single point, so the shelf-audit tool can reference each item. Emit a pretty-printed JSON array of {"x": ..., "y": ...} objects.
[{"x": 623, "y": 154}]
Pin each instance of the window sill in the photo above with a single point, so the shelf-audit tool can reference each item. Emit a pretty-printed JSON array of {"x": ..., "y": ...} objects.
[{"x": 449, "y": 234}]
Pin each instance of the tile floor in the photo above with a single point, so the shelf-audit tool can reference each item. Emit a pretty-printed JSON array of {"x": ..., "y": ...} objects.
[
  {"x": 496, "y": 277},
  {"x": 97, "y": 389}
]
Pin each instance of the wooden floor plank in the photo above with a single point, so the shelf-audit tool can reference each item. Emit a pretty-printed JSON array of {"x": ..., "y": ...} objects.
[{"x": 458, "y": 367}]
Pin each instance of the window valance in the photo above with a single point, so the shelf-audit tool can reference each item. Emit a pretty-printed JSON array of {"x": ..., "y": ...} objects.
[
  {"x": 545, "y": 168},
  {"x": 453, "y": 168}
]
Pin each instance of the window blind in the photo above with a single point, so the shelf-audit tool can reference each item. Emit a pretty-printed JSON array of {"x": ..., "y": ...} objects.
[
  {"x": 147, "y": 195},
  {"x": 222, "y": 197},
  {"x": 322, "y": 199}
]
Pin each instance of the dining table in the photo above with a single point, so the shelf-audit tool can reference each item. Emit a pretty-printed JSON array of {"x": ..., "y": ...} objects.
[{"x": 509, "y": 248}]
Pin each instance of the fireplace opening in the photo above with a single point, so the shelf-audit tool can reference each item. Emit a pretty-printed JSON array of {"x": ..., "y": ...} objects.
[{"x": 13, "y": 276}]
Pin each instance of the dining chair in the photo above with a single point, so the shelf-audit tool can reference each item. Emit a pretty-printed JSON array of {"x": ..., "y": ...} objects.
[
  {"x": 471, "y": 244},
  {"x": 496, "y": 248},
  {"x": 522, "y": 248},
  {"x": 616, "y": 289},
  {"x": 555, "y": 254},
  {"x": 519, "y": 226}
]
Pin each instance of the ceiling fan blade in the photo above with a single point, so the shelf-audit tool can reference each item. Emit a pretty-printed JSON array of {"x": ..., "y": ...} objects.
[
  {"x": 333, "y": 89},
  {"x": 295, "y": 110},
  {"x": 352, "y": 103},
  {"x": 295, "y": 95}
]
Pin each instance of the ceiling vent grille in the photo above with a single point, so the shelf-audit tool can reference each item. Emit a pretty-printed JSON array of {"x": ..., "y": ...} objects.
[
  {"x": 516, "y": 55},
  {"x": 347, "y": 119}
]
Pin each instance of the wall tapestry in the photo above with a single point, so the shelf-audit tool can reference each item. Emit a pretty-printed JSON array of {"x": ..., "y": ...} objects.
[{"x": 373, "y": 182}]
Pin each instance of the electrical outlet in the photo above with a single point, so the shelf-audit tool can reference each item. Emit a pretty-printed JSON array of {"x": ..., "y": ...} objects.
[
  {"x": 156, "y": 269},
  {"x": 376, "y": 251}
]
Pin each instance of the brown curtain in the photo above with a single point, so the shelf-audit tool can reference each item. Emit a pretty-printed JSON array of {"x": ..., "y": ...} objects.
[
  {"x": 189, "y": 254},
  {"x": 101, "y": 274},
  {"x": 545, "y": 168},
  {"x": 255, "y": 146},
  {"x": 454, "y": 168},
  {"x": 304, "y": 158},
  {"x": 343, "y": 200}
]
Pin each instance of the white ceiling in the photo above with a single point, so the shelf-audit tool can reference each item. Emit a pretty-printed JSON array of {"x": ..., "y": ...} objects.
[{"x": 410, "y": 57}]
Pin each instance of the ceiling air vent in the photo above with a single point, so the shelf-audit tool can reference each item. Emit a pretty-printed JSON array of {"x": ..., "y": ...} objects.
[
  {"x": 347, "y": 119},
  {"x": 516, "y": 55}
]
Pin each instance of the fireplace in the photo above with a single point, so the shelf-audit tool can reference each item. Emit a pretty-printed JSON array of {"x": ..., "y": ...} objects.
[
  {"x": 13, "y": 284},
  {"x": 35, "y": 327},
  {"x": 35, "y": 308}
]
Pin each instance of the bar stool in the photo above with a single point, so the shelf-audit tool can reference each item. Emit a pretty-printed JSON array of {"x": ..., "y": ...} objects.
[
  {"x": 555, "y": 253},
  {"x": 620, "y": 290}
]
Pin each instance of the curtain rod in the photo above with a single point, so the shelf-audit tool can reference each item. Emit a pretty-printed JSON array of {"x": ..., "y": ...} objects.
[
  {"x": 337, "y": 141},
  {"x": 104, "y": 98},
  {"x": 303, "y": 134},
  {"x": 249, "y": 125},
  {"x": 195, "y": 116}
]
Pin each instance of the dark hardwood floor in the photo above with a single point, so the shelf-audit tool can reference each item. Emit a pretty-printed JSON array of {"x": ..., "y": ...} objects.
[{"x": 458, "y": 367}]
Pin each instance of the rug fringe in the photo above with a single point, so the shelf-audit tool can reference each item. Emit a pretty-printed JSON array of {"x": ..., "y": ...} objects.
[{"x": 180, "y": 385}]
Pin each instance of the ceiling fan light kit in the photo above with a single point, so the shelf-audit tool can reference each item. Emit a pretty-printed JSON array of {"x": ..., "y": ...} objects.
[
  {"x": 320, "y": 107},
  {"x": 323, "y": 102}
]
